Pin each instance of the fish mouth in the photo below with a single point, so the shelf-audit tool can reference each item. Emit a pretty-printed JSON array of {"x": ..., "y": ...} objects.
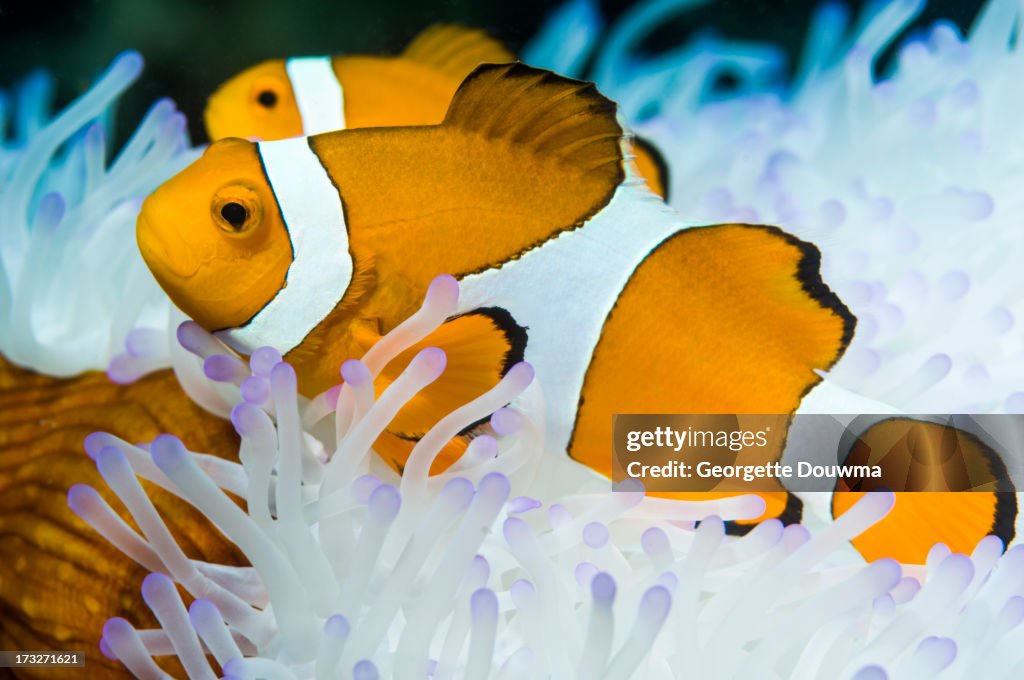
[{"x": 160, "y": 258}]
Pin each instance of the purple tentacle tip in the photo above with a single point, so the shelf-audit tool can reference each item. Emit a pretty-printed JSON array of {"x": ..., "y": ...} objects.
[
  {"x": 94, "y": 442},
  {"x": 106, "y": 651},
  {"x": 521, "y": 504},
  {"x": 129, "y": 63},
  {"x": 355, "y": 373},
  {"x": 481, "y": 567},
  {"x": 363, "y": 487},
  {"x": 263, "y": 360},
  {"x": 429, "y": 364},
  {"x": 655, "y": 603},
  {"x": 234, "y": 668},
  {"x": 337, "y": 627},
  {"x": 595, "y": 534},
  {"x": 484, "y": 604},
  {"x": 202, "y": 609},
  {"x": 365, "y": 670},
  {"x": 522, "y": 373},
  {"x": 110, "y": 459},
  {"x": 495, "y": 483},
  {"x": 167, "y": 451},
  {"x": 603, "y": 588},
  {"x": 506, "y": 421},
  {"x": 220, "y": 368},
  {"x": 282, "y": 377},
  {"x": 385, "y": 502},
  {"x": 254, "y": 390},
  {"x": 515, "y": 530},
  {"x": 154, "y": 586},
  {"x": 122, "y": 369},
  {"x": 191, "y": 336},
  {"x": 459, "y": 489},
  {"x": 444, "y": 289},
  {"x": 81, "y": 497},
  {"x": 584, "y": 573},
  {"x": 654, "y": 541}
]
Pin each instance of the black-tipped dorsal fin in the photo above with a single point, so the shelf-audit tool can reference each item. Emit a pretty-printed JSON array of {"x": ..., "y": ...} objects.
[
  {"x": 455, "y": 50},
  {"x": 552, "y": 115}
]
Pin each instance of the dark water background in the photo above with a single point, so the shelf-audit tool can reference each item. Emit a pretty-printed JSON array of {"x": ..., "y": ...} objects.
[{"x": 191, "y": 46}]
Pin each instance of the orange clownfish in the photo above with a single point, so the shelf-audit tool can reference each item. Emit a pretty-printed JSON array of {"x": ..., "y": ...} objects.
[
  {"x": 283, "y": 98},
  {"x": 318, "y": 246}
]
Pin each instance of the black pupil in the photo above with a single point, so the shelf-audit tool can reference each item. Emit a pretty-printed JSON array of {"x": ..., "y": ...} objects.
[
  {"x": 234, "y": 214},
  {"x": 267, "y": 98}
]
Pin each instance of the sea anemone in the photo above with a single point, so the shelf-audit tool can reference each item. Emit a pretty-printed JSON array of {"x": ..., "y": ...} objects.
[
  {"x": 72, "y": 282},
  {"x": 358, "y": 573},
  {"x": 517, "y": 563},
  {"x": 908, "y": 181}
]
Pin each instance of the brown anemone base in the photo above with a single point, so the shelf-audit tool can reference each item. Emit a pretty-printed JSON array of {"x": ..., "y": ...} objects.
[{"x": 59, "y": 580}]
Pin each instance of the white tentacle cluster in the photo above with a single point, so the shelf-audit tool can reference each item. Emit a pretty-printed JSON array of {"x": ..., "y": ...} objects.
[
  {"x": 357, "y": 573},
  {"x": 72, "y": 282}
]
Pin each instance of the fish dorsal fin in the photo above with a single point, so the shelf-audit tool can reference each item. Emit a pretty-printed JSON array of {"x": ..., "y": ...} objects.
[
  {"x": 522, "y": 156},
  {"x": 455, "y": 50},
  {"x": 552, "y": 115}
]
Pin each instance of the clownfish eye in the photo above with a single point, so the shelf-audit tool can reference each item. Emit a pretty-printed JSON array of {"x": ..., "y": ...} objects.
[
  {"x": 237, "y": 209},
  {"x": 234, "y": 214},
  {"x": 267, "y": 99}
]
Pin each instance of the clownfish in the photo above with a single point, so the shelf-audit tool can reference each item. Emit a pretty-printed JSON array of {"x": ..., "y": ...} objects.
[
  {"x": 283, "y": 98},
  {"x": 320, "y": 245}
]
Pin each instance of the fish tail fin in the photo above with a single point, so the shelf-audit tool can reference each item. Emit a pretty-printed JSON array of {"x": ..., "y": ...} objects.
[
  {"x": 651, "y": 165},
  {"x": 552, "y": 115},
  {"x": 931, "y": 466}
]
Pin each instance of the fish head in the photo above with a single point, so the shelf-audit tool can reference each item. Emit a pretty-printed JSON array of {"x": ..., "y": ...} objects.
[
  {"x": 214, "y": 238},
  {"x": 257, "y": 104}
]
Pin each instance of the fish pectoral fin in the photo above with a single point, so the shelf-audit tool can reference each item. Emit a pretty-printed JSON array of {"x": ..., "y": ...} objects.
[
  {"x": 455, "y": 50},
  {"x": 480, "y": 346},
  {"x": 931, "y": 466},
  {"x": 395, "y": 449}
]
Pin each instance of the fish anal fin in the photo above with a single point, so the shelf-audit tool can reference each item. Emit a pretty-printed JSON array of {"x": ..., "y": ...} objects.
[
  {"x": 455, "y": 50},
  {"x": 395, "y": 450},
  {"x": 480, "y": 347}
]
